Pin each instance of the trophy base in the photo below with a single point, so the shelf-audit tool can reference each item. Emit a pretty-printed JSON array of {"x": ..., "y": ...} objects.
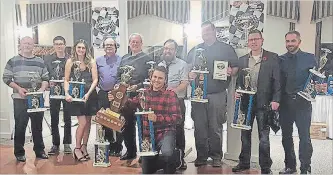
[
  {"x": 240, "y": 126},
  {"x": 57, "y": 81},
  {"x": 105, "y": 145},
  {"x": 59, "y": 97},
  {"x": 143, "y": 154},
  {"x": 76, "y": 82},
  {"x": 199, "y": 100},
  {"x": 78, "y": 99},
  {"x": 306, "y": 96},
  {"x": 144, "y": 112},
  {"x": 200, "y": 71},
  {"x": 37, "y": 110},
  {"x": 35, "y": 93},
  {"x": 317, "y": 73},
  {"x": 245, "y": 91},
  {"x": 105, "y": 165}
]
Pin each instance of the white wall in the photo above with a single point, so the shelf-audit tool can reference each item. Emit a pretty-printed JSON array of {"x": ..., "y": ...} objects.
[
  {"x": 274, "y": 31},
  {"x": 47, "y": 31},
  {"x": 155, "y": 31},
  {"x": 327, "y": 30}
]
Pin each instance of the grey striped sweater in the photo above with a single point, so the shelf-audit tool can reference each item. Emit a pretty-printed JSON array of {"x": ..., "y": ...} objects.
[{"x": 17, "y": 70}]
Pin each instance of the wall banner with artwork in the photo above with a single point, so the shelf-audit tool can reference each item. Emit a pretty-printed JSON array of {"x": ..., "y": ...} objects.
[
  {"x": 245, "y": 15},
  {"x": 105, "y": 23}
]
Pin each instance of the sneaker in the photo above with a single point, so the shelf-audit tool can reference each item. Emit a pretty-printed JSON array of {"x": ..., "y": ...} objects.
[
  {"x": 67, "y": 149},
  {"x": 217, "y": 163},
  {"x": 54, "y": 150}
]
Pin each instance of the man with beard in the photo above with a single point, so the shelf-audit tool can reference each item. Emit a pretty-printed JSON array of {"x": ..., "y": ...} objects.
[
  {"x": 265, "y": 79},
  {"x": 59, "y": 45},
  {"x": 209, "y": 117},
  {"x": 138, "y": 60},
  {"x": 295, "y": 65},
  {"x": 177, "y": 82},
  {"x": 107, "y": 66}
]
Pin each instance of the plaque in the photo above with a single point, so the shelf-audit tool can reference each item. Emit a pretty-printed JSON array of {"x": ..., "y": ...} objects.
[
  {"x": 34, "y": 97},
  {"x": 199, "y": 84},
  {"x": 76, "y": 87},
  {"x": 146, "y": 144},
  {"x": 242, "y": 120},
  {"x": 57, "y": 90},
  {"x": 309, "y": 91},
  {"x": 220, "y": 70}
]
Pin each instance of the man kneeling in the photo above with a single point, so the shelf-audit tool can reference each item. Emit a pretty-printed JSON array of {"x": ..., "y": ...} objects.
[{"x": 166, "y": 109}]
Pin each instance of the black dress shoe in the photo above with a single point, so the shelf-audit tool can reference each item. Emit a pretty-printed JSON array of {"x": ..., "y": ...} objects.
[
  {"x": 288, "y": 171},
  {"x": 306, "y": 170},
  {"x": 20, "y": 158},
  {"x": 240, "y": 168},
  {"x": 199, "y": 162},
  {"x": 183, "y": 166},
  {"x": 127, "y": 156},
  {"x": 42, "y": 155},
  {"x": 266, "y": 171}
]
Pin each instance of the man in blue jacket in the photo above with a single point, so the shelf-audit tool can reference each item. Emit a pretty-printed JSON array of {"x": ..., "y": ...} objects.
[{"x": 295, "y": 65}]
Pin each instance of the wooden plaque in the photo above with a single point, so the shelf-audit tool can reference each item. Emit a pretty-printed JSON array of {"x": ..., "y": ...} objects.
[{"x": 119, "y": 94}]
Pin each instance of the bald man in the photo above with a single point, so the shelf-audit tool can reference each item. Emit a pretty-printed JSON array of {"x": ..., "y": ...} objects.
[
  {"x": 107, "y": 66},
  {"x": 15, "y": 76}
]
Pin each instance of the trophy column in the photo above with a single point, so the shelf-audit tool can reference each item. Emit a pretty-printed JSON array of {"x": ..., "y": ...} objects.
[{"x": 101, "y": 148}]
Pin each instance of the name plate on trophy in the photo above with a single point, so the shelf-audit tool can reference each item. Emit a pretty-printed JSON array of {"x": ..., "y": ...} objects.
[{"x": 220, "y": 70}]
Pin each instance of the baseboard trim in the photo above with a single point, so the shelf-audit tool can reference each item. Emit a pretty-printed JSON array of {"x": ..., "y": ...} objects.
[{"x": 5, "y": 135}]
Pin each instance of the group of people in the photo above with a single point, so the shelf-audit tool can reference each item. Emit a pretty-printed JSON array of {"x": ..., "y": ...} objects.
[{"x": 276, "y": 78}]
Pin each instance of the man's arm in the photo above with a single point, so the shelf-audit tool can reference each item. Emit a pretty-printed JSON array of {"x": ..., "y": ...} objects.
[
  {"x": 276, "y": 76},
  {"x": 184, "y": 76},
  {"x": 234, "y": 62}
]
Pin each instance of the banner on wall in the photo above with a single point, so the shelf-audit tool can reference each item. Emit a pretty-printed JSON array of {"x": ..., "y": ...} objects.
[
  {"x": 245, "y": 15},
  {"x": 105, "y": 24}
]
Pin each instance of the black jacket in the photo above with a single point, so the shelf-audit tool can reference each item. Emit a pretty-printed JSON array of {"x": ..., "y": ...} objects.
[{"x": 269, "y": 87}]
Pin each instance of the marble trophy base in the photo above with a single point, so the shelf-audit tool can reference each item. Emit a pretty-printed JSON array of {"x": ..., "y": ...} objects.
[
  {"x": 306, "y": 96},
  {"x": 105, "y": 152},
  {"x": 144, "y": 112},
  {"x": 77, "y": 99},
  {"x": 245, "y": 91},
  {"x": 240, "y": 126},
  {"x": 37, "y": 110},
  {"x": 57, "y": 97},
  {"x": 200, "y": 71},
  {"x": 143, "y": 154},
  {"x": 199, "y": 100}
]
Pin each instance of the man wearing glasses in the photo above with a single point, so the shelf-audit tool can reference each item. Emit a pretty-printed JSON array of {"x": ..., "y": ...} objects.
[
  {"x": 59, "y": 44},
  {"x": 265, "y": 79},
  {"x": 107, "y": 66}
]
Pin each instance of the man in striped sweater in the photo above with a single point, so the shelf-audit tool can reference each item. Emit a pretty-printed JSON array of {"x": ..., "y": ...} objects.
[{"x": 16, "y": 76}]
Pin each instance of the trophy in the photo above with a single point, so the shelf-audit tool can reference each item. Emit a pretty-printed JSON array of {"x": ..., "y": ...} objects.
[
  {"x": 146, "y": 83},
  {"x": 199, "y": 84},
  {"x": 102, "y": 149},
  {"x": 76, "y": 87},
  {"x": 323, "y": 60},
  {"x": 57, "y": 90},
  {"x": 330, "y": 85},
  {"x": 309, "y": 91},
  {"x": 35, "y": 98},
  {"x": 110, "y": 117},
  {"x": 146, "y": 144},
  {"x": 242, "y": 121}
]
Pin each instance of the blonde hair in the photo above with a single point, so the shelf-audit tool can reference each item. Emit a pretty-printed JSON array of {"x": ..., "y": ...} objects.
[{"x": 88, "y": 58}]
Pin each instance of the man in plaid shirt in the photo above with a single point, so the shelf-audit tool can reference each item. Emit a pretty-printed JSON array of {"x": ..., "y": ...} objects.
[{"x": 166, "y": 109}]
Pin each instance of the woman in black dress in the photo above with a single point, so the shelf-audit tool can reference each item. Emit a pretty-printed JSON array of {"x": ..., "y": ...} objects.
[{"x": 88, "y": 107}]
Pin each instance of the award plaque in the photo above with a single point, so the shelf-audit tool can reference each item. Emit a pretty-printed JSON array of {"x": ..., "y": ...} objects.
[
  {"x": 242, "y": 120},
  {"x": 57, "y": 90},
  {"x": 199, "y": 84},
  {"x": 76, "y": 87},
  {"x": 309, "y": 91},
  {"x": 110, "y": 117},
  {"x": 146, "y": 83},
  {"x": 35, "y": 98},
  {"x": 220, "y": 70},
  {"x": 102, "y": 149},
  {"x": 146, "y": 144}
]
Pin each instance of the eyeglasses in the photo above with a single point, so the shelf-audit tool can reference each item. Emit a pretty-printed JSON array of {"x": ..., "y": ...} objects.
[
  {"x": 254, "y": 39},
  {"x": 109, "y": 45}
]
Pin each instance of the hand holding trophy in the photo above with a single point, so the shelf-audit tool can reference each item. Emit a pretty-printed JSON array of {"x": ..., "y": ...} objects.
[{"x": 35, "y": 97}]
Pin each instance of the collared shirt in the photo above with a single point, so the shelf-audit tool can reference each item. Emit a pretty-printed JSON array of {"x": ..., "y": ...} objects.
[
  {"x": 254, "y": 65},
  {"x": 107, "y": 71},
  {"x": 177, "y": 72},
  {"x": 217, "y": 52},
  {"x": 295, "y": 71},
  {"x": 166, "y": 107}
]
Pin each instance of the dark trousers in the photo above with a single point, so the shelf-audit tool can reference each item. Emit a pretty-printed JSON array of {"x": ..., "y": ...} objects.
[
  {"x": 129, "y": 132},
  {"x": 54, "y": 110},
  {"x": 167, "y": 161},
  {"x": 21, "y": 117},
  {"x": 180, "y": 132},
  {"x": 265, "y": 160},
  {"x": 103, "y": 102},
  {"x": 298, "y": 110}
]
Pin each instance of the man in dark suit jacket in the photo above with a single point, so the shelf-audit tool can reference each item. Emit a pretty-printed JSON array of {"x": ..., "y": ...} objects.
[{"x": 265, "y": 79}]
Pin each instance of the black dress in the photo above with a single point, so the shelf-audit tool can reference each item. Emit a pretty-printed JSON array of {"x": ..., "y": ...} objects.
[{"x": 90, "y": 107}]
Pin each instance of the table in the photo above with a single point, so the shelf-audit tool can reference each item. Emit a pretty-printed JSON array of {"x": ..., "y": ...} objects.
[{"x": 322, "y": 111}]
